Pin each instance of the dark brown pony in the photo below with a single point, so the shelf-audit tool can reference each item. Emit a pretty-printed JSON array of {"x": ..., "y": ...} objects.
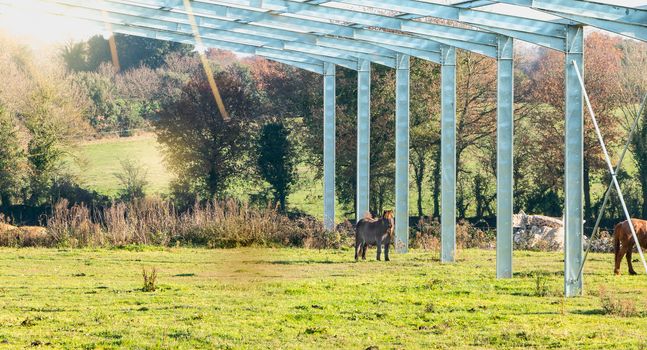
[
  {"x": 374, "y": 231},
  {"x": 623, "y": 241}
]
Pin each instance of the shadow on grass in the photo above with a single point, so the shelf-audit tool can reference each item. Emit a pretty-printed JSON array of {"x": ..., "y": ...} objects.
[
  {"x": 593, "y": 312},
  {"x": 427, "y": 259},
  {"x": 542, "y": 313},
  {"x": 526, "y": 274},
  {"x": 302, "y": 262}
]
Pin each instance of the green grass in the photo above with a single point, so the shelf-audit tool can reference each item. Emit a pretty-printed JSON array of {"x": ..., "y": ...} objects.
[
  {"x": 305, "y": 299},
  {"x": 97, "y": 162}
]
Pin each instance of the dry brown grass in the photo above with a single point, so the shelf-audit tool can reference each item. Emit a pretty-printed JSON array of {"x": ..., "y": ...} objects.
[
  {"x": 26, "y": 236},
  {"x": 427, "y": 236},
  {"x": 218, "y": 224},
  {"x": 616, "y": 306}
]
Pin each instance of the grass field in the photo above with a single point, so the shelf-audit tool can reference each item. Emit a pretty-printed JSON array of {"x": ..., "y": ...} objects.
[
  {"x": 97, "y": 162},
  {"x": 305, "y": 299}
]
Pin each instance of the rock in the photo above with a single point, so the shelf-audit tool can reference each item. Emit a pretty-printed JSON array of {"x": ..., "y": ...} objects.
[
  {"x": 602, "y": 243},
  {"x": 537, "y": 232},
  {"x": 518, "y": 220}
]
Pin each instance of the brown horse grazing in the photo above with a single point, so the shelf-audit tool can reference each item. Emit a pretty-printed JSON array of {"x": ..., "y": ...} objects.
[
  {"x": 374, "y": 231},
  {"x": 623, "y": 242}
]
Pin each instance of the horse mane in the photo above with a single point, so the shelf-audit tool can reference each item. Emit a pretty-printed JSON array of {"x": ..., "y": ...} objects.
[{"x": 368, "y": 216}]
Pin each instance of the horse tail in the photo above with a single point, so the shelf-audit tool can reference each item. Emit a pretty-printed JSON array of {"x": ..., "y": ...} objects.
[
  {"x": 357, "y": 226},
  {"x": 616, "y": 237}
]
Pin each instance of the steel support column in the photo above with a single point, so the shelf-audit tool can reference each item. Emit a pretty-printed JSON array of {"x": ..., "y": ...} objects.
[
  {"x": 504, "y": 164},
  {"x": 573, "y": 211},
  {"x": 329, "y": 146},
  {"x": 363, "y": 137},
  {"x": 402, "y": 154},
  {"x": 448, "y": 154}
]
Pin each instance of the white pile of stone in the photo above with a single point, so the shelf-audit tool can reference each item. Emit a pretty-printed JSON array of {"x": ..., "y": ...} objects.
[
  {"x": 537, "y": 232},
  {"x": 603, "y": 243}
]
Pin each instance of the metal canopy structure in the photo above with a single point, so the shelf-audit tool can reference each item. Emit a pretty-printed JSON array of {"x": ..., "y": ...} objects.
[{"x": 318, "y": 35}]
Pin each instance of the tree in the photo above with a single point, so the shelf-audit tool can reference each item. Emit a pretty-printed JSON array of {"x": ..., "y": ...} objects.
[
  {"x": 602, "y": 65},
  {"x": 74, "y": 55},
  {"x": 132, "y": 51},
  {"x": 425, "y": 122},
  {"x": 633, "y": 90},
  {"x": 201, "y": 148},
  {"x": 276, "y": 160},
  {"x": 475, "y": 122},
  {"x": 45, "y": 148},
  {"x": 132, "y": 179},
  {"x": 46, "y": 113},
  {"x": 12, "y": 160},
  {"x": 475, "y": 101},
  {"x": 120, "y": 102}
]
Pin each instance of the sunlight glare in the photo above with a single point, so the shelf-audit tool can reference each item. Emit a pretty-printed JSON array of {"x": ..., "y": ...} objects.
[{"x": 31, "y": 26}]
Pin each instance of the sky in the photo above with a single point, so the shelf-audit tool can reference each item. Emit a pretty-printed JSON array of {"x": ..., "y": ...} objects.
[
  {"x": 38, "y": 29},
  {"x": 30, "y": 25}
]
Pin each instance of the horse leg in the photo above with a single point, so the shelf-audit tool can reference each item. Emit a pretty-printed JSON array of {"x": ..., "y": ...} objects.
[
  {"x": 358, "y": 246},
  {"x": 364, "y": 247},
  {"x": 619, "y": 255},
  {"x": 618, "y": 260},
  {"x": 386, "y": 251},
  {"x": 379, "y": 249},
  {"x": 616, "y": 251},
  {"x": 630, "y": 250}
]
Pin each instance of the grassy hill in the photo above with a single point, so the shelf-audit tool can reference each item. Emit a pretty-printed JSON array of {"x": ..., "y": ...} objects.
[{"x": 95, "y": 163}]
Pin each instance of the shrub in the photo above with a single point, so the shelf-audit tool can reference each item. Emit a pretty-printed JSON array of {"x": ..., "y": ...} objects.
[
  {"x": 132, "y": 179},
  {"x": 73, "y": 225},
  {"x": 150, "y": 280},
  {"x": 216, "y": 224},
  {"x": 469, "y": 236},
  {"x": 541, "y": 285},
  {"x": 613, "y": 305},
  {"x": 426, "y": 235},
  {"x": 317, "y": 237},
  {"x": 26, "y": 236}
]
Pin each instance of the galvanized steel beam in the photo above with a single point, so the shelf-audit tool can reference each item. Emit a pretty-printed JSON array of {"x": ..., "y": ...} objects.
[
  {"x": 219, "y": 38},
  {"x": 504, "y": 159},
  {"x": 574, "y": 141},
  {"x": 345, "y": 51},
  {"x": 628, "y": 21},
  {"x": 424, "y": 48},
  {"x": 402, "y": 154},
  {"x": 544, "y": 33},
  {"x": 363, "y": 138},
  {"x": 448, "y": 155},
  {"x": 476, "y": 41},
  {"x": 329, "y": 146}
]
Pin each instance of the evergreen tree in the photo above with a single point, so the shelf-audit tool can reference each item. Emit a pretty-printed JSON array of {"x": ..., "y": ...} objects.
[{"x": 276, "y": 160}]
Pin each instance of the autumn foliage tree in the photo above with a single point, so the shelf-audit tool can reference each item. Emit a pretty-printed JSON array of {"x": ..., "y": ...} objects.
[
  {"x": 633, "y": 89},
  {"x": 601, "y": 70},
  {"x": 276, "y": 158},
  {"x": 202, "y": 148}
]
